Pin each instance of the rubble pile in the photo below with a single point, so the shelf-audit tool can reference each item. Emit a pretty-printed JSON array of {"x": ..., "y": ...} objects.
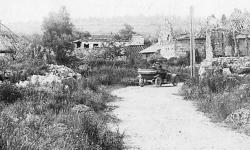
[
  {"x": 240, "y": 65},
  {"x": 53, "y": 78},
  {"x": 62, "y": 72},
  {"x": 239, "y": 118}
]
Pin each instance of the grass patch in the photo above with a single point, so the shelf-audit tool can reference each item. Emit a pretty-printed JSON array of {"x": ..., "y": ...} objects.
[
  {"x": 46, "y": 120},
  {"x": 106, "y": 75},
  {"x": 217, "y": 95}
]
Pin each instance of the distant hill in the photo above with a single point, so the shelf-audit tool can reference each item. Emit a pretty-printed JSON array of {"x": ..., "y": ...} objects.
[{"x": 142, "y": 24}]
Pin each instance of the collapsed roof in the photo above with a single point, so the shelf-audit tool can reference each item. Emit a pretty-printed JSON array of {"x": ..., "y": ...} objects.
[{"x": 10, "y": 43}]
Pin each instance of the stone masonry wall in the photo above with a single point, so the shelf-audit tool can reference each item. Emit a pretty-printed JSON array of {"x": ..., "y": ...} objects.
[
  {"x": 236, "y": 64},
  {"x": 183, "y": 46}
]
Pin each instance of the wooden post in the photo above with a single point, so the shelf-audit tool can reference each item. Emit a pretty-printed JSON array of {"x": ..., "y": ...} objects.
[
  {"x": 246, "y": 44},
  {"x": 192, "y": 52},
  {"x": 247, "y": 47}
]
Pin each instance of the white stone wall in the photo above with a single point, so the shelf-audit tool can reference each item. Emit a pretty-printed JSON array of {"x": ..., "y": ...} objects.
[{"x": 168, "y": 51}]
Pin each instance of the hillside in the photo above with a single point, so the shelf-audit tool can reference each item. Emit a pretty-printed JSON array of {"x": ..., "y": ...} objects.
[{"x": 142, "y": 24}]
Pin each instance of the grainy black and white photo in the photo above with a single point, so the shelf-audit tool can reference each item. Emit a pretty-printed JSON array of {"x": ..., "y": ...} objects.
[{"x": 124, "y": 75}]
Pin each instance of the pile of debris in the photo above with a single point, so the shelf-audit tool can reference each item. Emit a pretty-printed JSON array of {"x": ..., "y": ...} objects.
[
  {"x": 238, "y": 65},
  {"x": 52, "y": 79},
  {"x": 239, "y": 118},
  {"x": 62, "y": 72}
]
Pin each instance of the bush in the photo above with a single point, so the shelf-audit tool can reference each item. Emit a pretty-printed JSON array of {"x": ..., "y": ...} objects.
[
  {"x": 183, "y": 72},
  {"x": 42, "y": 120},
  {"x": 98, "y": 63},
  {"x": 143, "y": 64},
  {"x": 173, "y": 61},
  {"x": 10, "y": 93},
  {"x": 22, "y": 70},
  {"x": 113, "y": 75},
  {"x": 217, "y": 95}
]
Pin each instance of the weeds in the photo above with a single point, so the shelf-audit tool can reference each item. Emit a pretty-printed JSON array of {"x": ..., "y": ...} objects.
[
  {"x": 45, "y": 120},
  {"x": 112, "y": 75},
  {"x": 10, "y": 93},
  {"x": 216, "y": 94}
]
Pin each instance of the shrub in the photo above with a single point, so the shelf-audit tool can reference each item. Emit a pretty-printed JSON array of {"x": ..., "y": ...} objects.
[
  {"x": 183, "y": 72},
  {"x": 42, "y": 120},
  {"x": 112, "y": 75},
  {"x": 143, "y": 64},
  {"x": 10, "y": 93},
  {"x": 99, "y": 63},
  {"x": 173, "y": 61},
  {"x": 216, "y": 94}
]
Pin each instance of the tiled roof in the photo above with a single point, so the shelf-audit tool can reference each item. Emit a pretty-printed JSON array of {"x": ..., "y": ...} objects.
[{"x": 134, "y": 50}]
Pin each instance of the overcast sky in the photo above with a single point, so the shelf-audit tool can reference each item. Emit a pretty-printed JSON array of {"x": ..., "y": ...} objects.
[{"x": 35, "y": 10}]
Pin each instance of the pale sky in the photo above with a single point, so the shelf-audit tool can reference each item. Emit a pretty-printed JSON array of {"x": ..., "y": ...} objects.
[{"x": 36, "y": 10}]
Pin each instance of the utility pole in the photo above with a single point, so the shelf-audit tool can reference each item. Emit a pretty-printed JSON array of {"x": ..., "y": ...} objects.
[{"x": 192, "y": 43}]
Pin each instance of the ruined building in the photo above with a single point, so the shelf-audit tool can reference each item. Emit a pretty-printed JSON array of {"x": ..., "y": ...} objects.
[
  {"x": 221, "y": 42},
  {"x": 12, "y": 46},
  {"x": 170, "y": 45}
]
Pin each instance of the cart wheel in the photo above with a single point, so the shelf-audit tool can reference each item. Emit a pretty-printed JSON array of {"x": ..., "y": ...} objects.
[
  {"x": 141, "y": 82},
  {"x": 158, "y": 81},
  {"x": 176, "y": 81}
]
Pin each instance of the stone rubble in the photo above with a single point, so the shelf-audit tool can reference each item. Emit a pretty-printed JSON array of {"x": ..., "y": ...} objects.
[
  {"x": 239, "y": 118},
  {"x": 81, "y": 108},
  {"x": 52, "y": 78},
  {"x": 239, "y": 65}
]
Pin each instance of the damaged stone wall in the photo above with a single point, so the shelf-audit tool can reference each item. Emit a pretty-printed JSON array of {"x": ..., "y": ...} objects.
[
  {"x": 244, "y": 46},
  {"x": 217, "y": 43},
  {"x": 183, "y": 47},
  {"x": 238, "y": 65}
]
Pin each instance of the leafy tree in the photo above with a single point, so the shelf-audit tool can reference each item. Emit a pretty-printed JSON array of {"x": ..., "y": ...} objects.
[
  {"x": 223, "y": 20},
  {"x": 81, "y": 35},
  {"x": 112, "y": 51},
  {"x": 36, "y": 43},
  {"x": 147, "y": 41},
  {"x": 117, "y": 37},
  {"x": 127, "y": 32},
  {"x": 58, "y": 34}
]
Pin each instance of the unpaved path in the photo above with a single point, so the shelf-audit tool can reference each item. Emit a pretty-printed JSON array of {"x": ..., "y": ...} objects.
[{"x": 158, "y": 119}]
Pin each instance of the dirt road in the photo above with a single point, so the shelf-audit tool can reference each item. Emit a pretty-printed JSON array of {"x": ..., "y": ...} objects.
[{"x": 158, "y": 119}]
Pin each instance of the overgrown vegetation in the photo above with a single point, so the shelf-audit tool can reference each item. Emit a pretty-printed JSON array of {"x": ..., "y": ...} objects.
[
  {"x": 32, "y": 119},
  {"x": 74, "y": 116},
  {"x": 58, "y": 34},
  {"x": 35, "y": 119},
  {"x": 218, "y": 95}
]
